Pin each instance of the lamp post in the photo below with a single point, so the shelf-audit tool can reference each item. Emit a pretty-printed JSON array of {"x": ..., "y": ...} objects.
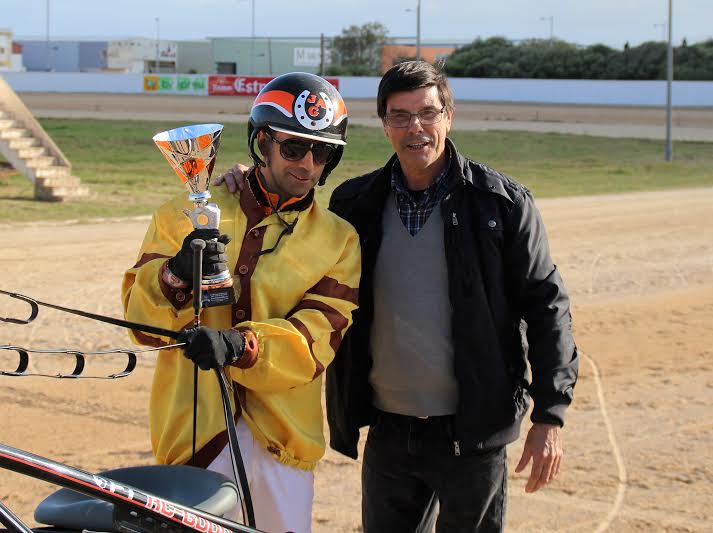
[
  {"x": 158, "y": 45},
  {"x": 252, "y": 40},
  {"x": 47, "y": 39},
  {"x": 418, "y": 29},
  {"x": 551, "y": 20},
  {"x": 669, "y": 83}
]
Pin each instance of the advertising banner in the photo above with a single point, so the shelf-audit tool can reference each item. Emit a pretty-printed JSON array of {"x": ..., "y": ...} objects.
[
  {"x": 176, "y": 83},
  {"x": 244, "y": 85}
]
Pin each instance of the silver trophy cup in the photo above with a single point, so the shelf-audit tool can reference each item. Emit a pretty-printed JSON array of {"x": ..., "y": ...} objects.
[{"x": 191, "y": 151}]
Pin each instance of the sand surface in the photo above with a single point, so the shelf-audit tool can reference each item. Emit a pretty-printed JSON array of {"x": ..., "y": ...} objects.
[
  {"x": 640, "y": 271},
  {"x": 639, "y": 436}
]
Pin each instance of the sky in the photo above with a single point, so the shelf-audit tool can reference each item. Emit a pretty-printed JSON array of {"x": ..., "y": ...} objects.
[{"x": 612, "y": 22}]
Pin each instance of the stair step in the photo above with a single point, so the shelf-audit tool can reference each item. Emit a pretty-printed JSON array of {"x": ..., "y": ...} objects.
[
  {"x": 7, "y": 122},
  {"x": 54, "y": 171},
  {"x": 60, "y": 181},
  {"x": 41, "y": 161},
  {"x": 14, "y": 133},
  {"x": 32, "y": 151},
  {"x": 23, "y": 142},
  {"x": 58, "y": 194}
]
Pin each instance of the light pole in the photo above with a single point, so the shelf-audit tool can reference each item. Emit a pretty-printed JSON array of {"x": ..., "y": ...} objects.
[
  {"x": 551, "y": 20},
  {"x": 418, "y": 29},
  {"x": 252, "y": 40},
  {"x": 669, "y": 83},
  {"x": 158, "y": 44},
  {"x": 47, "y": 39}
]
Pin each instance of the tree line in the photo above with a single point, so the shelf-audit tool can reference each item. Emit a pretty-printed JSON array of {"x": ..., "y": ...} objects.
[
  {"x": 357, "y": 52},
  {"x": 498, "y": 57}
]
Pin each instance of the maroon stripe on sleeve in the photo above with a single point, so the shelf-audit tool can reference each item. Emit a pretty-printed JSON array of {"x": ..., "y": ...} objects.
[
  {"x": 145, "y": 258},
  {"x": 331, "y": 288},
  {"x": 179, "y": 298},
  {"x": 148, "y": 340},
  {"x": 299, "y": 326},
  {"x": 334, "y": 317}
]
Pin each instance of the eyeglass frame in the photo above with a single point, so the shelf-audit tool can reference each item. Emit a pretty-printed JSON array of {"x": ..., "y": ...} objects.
[
  {"x": 439, "y": 114},
  {"x": 310, "y": 148}
]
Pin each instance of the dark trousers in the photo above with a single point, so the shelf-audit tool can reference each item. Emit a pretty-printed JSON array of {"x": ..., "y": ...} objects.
[{"x": 410, "y": 465}]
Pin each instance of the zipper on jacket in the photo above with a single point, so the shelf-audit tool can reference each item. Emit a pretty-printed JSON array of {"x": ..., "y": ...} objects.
[
  {"x": 454, "y": 219},
  {"x": 456, "y": 447}
]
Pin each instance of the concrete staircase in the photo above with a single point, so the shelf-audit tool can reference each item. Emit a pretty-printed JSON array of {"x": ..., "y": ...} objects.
[{"x": 32, "y": 152}]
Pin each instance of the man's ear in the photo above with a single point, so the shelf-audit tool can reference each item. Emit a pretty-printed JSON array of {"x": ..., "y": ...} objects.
[{"x": 262, "y": 143}]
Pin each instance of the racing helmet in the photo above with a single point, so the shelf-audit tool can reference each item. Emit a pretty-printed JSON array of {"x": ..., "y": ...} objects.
[{"x": 303, "y": 105}]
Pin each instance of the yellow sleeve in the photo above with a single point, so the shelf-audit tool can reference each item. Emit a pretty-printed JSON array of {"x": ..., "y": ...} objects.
[
  {"x": 144, "y": 298},
  {"x": 295, "y": 350}
]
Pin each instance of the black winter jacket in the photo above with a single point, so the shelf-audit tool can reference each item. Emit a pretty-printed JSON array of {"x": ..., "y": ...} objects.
[{"x": 509, "y": 306}]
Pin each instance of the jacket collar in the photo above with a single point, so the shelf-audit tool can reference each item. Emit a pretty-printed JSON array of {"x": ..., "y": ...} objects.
[
  {"x": 267, "y": 199},
  {"x": 462, "y": 171}
]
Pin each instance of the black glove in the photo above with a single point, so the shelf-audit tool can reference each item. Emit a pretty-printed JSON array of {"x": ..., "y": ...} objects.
[
  {"x": 212, "y": 348},
  {"x": 214, "y": 258}
]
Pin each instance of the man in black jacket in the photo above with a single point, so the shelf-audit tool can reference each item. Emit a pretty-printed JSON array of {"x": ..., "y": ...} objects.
[{"x": 458, "y": 292}]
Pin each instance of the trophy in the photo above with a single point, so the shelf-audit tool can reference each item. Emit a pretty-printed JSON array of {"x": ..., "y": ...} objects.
[{"x": 191, "y": 151}]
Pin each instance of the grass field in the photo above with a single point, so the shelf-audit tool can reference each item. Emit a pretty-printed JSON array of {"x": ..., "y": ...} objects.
[{"x": 128, "y": 176}]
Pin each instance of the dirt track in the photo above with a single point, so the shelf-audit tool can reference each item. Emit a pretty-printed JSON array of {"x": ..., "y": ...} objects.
[
  {"x": 637, "y": 122},
  {"x": 640, "y": 271},
  {"x": 639, "y": 437}
]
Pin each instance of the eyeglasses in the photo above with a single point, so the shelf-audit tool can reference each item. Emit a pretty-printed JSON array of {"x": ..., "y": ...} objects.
[
  {"x": 294, "y": 150},
  {"x": 402, "y": 119}
]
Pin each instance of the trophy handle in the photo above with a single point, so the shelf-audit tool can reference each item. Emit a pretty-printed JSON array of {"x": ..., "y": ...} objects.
[{"x": 206, "y": 216}]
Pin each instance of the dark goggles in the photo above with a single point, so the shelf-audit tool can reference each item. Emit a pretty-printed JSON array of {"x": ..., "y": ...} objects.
[{"x": 295, "y": 149}]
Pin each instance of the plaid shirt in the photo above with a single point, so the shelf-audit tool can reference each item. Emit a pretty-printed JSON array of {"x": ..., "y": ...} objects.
[{"x": 415, "y": 207}]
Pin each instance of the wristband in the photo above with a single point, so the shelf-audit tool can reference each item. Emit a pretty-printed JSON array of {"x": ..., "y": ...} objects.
[{"x": 170, "y": 279}]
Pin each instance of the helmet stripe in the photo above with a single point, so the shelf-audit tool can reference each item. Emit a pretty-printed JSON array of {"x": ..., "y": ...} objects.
[
  {"x": 340, "y": 111},
  {"x": 281, "y": 100}
]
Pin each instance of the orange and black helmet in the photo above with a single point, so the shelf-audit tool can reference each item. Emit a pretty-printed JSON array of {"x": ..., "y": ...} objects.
[{"x": 303, "y": 105}]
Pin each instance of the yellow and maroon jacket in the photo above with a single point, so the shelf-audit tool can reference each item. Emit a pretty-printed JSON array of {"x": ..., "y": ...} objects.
[{"x": 296, "y": 302}]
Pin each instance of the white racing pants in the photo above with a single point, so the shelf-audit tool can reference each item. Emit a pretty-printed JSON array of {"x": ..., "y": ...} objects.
[{"x": 281, "y": 495}]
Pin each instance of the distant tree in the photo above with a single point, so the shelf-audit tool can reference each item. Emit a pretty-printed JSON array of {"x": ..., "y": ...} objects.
[
  {"x": 498, "y": 57},
  {"x": 357, "y": 51}
]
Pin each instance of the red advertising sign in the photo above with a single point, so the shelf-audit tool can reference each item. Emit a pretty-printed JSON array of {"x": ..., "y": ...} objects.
[{"x": 244, "y": 85}]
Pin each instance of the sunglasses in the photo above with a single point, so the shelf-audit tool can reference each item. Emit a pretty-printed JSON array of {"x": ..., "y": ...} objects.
[{"x": 294, "y": 150}]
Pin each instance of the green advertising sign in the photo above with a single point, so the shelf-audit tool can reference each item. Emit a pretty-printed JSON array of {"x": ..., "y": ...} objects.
[{"x": 176, "y": 83}]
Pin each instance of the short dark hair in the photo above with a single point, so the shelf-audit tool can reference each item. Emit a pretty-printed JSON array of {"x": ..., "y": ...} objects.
[{"x": 409, "y": 76}]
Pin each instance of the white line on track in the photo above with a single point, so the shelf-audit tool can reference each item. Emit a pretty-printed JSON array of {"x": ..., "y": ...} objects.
[{"x": 621, "y": 468}]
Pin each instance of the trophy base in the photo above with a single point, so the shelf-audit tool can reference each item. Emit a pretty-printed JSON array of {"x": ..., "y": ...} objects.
[{"x": 217, "y": 297}]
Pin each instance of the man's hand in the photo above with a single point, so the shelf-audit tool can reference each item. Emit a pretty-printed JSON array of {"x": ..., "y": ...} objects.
[
  {"x": 544, "y": 446},
  {"x": 214, "y": 258},
  {"x": 234, "y": 178},
  {"x": 212, "y": 348}
]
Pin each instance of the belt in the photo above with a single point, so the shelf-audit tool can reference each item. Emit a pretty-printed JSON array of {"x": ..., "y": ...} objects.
[{"x": 379, "y": 414}]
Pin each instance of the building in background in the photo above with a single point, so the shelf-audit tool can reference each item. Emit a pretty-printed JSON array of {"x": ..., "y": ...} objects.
[
  {"x": 160, "y": 57},
  {"x": 266, "y": 56},
  {"x": 60, "y": 55},
  {"x": 140, "y": 54},
  {"x": 403, "y": 48},
  {"x": 243, "y": 56},
  {"x": 10, "y": 52},
  {"x": 195, "y": 57}
]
